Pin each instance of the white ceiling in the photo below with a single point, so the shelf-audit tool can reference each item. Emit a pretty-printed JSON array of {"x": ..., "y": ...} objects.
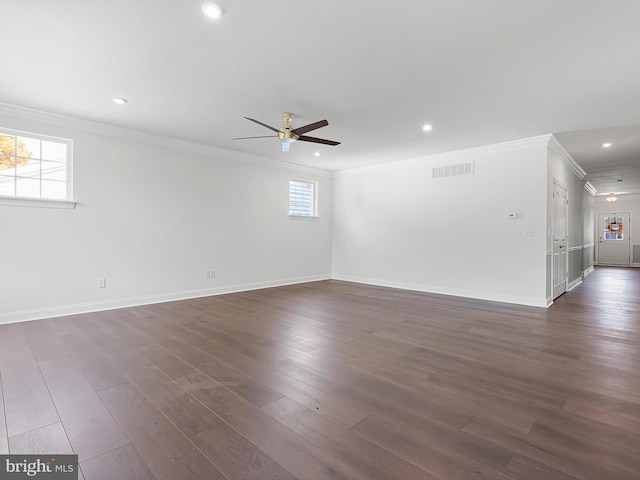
[{"x": 480, "y": 71}]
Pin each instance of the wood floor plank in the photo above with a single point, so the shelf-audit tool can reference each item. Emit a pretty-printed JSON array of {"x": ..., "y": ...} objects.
[
  {"x": 236, "y": 457},
  {"x": 524, "y": 468},
  {"x": 249, "y": 389},
  {"x": 292, "y": 451},
  {"x": 262, "y": 349},
  {"x": 576, "y": 463},
  {"x": 614, "y": 413},
  {"x": 187, "y": 414},
  {"x": 46, "y": 440},
  {"x": 427, "y": 451},
  {"x": 499, "y": 412},
  {"x": 244, "y": 327},
  {"x": 384, "y": 358},
  {"x": 367, "y": 457},
  {"x": 99, "y": 371},
  {"x": 42, "y": 340},
  {"x": 122, "y": 463},
  {"x": 343, "y": 411},
  {"x": 27, "y": 403},
  {"x": 89, "y": 426},
  {"x": 567, "y": 441},
  {"x": 165, "y": 361},
  {"x": 97, "y": 333},
  {"x": 62, "y": 325},
  {"x": 370, "y": 394},
  {"x": 164, "y": 449},
  {"x": 381, "y": 372}
]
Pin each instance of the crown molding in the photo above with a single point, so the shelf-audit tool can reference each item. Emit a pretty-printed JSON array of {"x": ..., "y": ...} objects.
[
  {"x": 590, "y": 188},
  {"x": 459, "y": 155},
  {"x": 91, "y": 126},
  {"x": 559, "y": 150}
]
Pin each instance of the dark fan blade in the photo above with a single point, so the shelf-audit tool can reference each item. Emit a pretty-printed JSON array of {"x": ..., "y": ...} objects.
[
  {"x": 263, "y": 124},
  {"x": 262, "y": 136},
  {"x": 311, "y": 126},
  {"x": 304, "y": 138}
]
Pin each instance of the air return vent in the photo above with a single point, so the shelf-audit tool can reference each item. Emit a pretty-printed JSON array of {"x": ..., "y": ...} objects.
[{"x": 452, "y": 170}]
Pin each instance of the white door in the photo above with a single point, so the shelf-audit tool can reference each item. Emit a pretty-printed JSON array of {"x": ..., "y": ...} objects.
[
  {"x": 613, "y": 239},
  {"x": 560, "y": 233}
]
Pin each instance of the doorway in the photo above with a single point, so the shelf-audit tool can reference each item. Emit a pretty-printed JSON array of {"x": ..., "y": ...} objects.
[
  {"x": 614, "y": 246},
  {"x": 560, "y": 233}
]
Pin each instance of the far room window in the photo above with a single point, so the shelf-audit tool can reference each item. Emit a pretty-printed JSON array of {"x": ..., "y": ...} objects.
[
  {"x": 302, "y": 198},
  {"x": 34, "y": 166}
]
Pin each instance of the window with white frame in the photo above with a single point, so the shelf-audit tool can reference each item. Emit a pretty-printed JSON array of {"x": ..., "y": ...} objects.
[
  {"x": 302, "y": 198},
  {"x": 34, "y": 166}
]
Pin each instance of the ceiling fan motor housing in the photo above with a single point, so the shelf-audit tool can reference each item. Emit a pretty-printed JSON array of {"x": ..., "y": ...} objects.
[{"x": 285, "y": 133}]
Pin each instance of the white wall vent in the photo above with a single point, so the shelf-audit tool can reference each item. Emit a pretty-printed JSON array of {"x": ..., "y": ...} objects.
[{"x": 453, "y": 170}]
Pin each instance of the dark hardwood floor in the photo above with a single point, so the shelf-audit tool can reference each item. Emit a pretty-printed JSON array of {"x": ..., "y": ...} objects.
[{"x": 333, "y": 380}]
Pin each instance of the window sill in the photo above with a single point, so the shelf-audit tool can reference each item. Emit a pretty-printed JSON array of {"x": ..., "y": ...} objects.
[
  {"x": 303, "y": 216},
  {"x": 36, "y": 202}
]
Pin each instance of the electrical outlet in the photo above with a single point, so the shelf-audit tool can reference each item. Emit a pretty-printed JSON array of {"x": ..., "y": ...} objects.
[
  {"x": 209, "y": 274},
  {"x": 280, "y": 267},
  {"x": 102, "y": 283}
]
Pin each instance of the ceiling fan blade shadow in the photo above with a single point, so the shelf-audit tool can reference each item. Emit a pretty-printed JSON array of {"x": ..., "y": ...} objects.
[
  {"x": 263, "y": 124},
  {"x": 311, "y": 126},
  {"x": 304, "y": 138},
  {"x": 262, "y": 136}
]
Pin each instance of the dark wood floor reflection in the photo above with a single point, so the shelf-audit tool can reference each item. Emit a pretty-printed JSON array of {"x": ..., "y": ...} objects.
[{"x": 333, "y": 380}]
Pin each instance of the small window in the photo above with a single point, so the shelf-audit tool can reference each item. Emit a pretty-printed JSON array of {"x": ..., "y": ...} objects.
[
  {"x": 34, "y": 166},
  {"x": 613, "y": 228},
  {"x": 302, "y": 198}
]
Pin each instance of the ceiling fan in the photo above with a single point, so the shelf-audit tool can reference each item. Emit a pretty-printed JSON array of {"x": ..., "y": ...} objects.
[{"x": 287, "y": 134}]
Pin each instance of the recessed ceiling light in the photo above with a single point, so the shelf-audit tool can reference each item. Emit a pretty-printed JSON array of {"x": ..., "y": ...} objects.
[
  {"x": 212, "y": 10},
  {"x": 119, "y": 100},
  {"x": 316, "y": 154},
  {"x": 606, "y": 145},
  {"x": 427, "y": 127}
]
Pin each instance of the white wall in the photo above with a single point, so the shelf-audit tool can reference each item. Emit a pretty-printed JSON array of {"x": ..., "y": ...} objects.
[
  {"x": 152, "y": 215},
  {"x": 394, "y": 225}
]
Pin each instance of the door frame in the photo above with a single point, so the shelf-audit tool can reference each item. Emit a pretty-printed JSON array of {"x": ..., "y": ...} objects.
[
  {"x": 596, "y": 237},
  {"x": 553, "y": 255}
]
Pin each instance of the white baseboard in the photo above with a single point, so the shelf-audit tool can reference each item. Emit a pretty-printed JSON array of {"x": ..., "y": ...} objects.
[
  {"x": 529, "y": 301},
  {"x": 574, "y": 284},
  {"x": 64, "y": 310},
  {"x": 588, "y": 271}
]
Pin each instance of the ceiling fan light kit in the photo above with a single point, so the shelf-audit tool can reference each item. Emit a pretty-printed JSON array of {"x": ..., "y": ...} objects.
[{"x": 287, "y": 134}]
